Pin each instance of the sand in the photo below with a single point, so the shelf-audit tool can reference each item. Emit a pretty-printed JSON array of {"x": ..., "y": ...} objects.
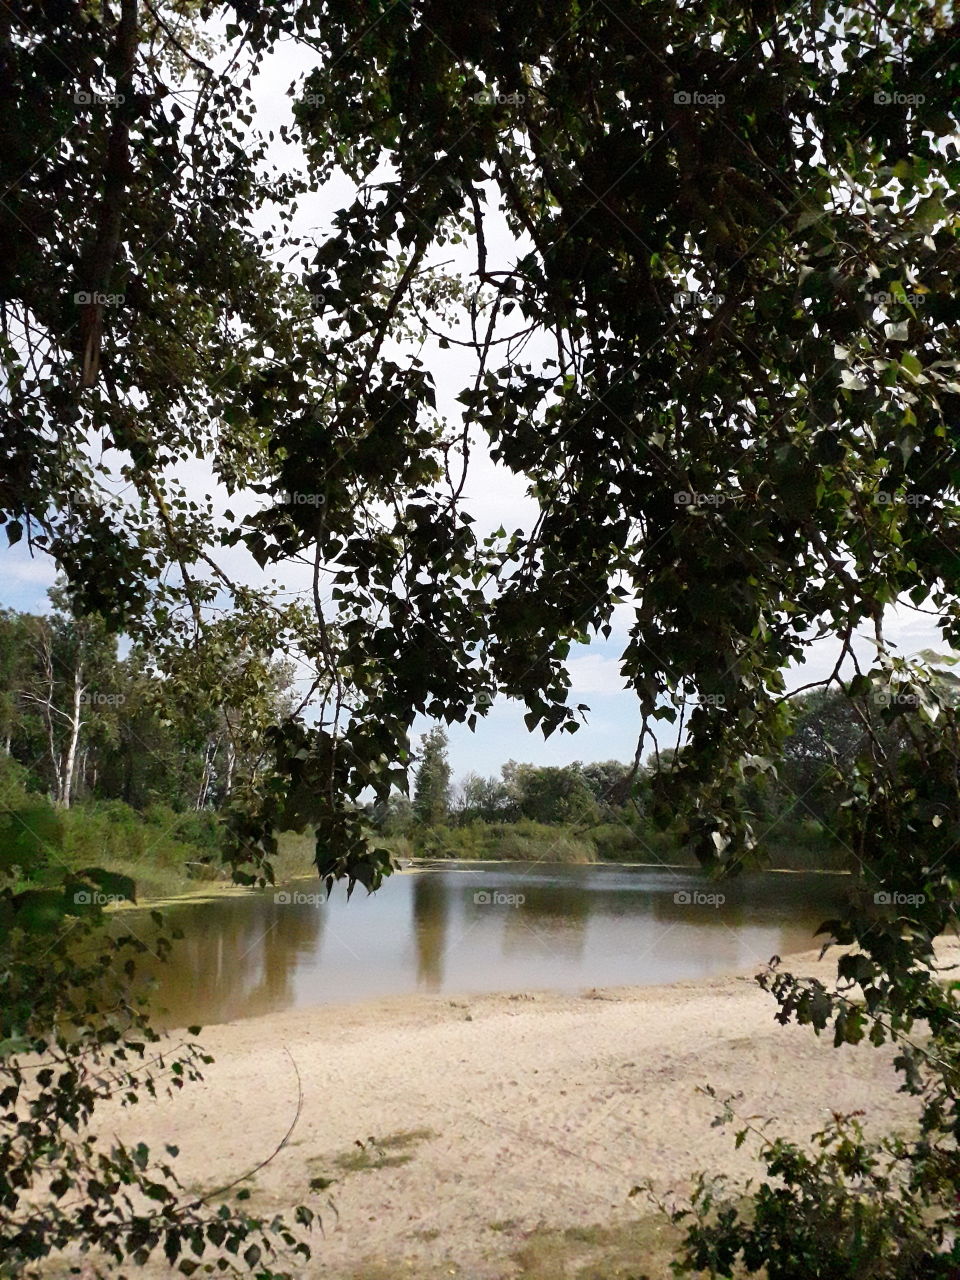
[{"x": 500, "y": 1116}]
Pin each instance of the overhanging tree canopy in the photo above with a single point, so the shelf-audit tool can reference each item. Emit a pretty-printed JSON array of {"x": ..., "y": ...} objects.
[
  {"x": 735, "y": 225},
  {"x": 737, "y": 228}
]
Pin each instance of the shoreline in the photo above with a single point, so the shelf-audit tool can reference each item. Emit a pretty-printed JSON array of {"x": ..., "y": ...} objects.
[
  {"x": 214, "y": 890},
  {"x": 501, "y": 1119}
]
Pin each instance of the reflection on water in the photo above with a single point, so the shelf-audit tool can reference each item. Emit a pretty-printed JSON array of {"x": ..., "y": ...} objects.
[
  {"x": 429, "y": 923},
  {"x": 477, "y": 927}
]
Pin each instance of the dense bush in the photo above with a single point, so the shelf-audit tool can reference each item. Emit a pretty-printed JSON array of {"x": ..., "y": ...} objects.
[
  {"x": 806, "y": 845},
  {"x": 798, "y": 846},
  {"x": 111, "y": 829},
  {"x": 18, "y": 785},
  {"x": 523, "y": 841},
  {"x": 474, "y": 841},
  {"x": 536, "y": 841},
  {"x": 852, "y": 1209},
  {"x": 159, "y": 851},
  {"x": 616, "y": 843}
]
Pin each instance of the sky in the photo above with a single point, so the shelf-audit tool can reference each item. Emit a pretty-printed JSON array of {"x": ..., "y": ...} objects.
[{"x": 495, "y": 498}]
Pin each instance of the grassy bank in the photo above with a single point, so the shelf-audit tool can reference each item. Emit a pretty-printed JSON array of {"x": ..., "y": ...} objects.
[
  {"x": 164, "y": 872},
  {"x": 166, "y": 853},
  {"x": 803, "y": 846}
]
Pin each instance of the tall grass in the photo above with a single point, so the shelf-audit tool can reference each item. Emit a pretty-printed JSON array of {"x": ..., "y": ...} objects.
[
  {"x": 522, "y": 841},
  {"x": 797, "y": 846},
  {"x": 163, "y": 851}
]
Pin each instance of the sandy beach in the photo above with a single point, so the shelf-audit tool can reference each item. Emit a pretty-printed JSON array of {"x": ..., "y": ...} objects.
[{"x": 503, "y": 1123}]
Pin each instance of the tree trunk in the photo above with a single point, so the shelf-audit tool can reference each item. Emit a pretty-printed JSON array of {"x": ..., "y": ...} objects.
[
  {"x": 45, "y": 651},
  {"x": 116, "y": 182},
  {"x": 208, "y": 759},
  {"x": 231, "y": 764},
  {"x": 69, "y": 764}
]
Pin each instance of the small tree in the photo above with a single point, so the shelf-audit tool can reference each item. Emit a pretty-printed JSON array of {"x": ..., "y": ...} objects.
[
  {"x": 550, "y": 793},
  {"x": 393, "y": 816},
  {"x": 431, "y": 794},
  {"x": 610, "y": 784},
  {"x": 484, "y": 798}
]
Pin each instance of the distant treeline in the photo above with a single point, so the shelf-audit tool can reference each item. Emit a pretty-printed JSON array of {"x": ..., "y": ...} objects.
[
  {"x": 584, "y": 812},
  {"x": 135, "y": 767}
]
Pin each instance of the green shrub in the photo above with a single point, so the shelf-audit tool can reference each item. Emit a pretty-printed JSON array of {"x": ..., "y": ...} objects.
[
  {"x": 617, "y": 843},
  {"x": 399, "y": 846},
  {"x": 851, "y": 1210},
  {"x": 802, "y": 846},
  {"x": 92, "y": 830},
  {"x": 798, "y": 846},
  {"x": 200, "y": 828},
  {"x": 523, "y": 841},
  {"x": 31, "y": 833},
  {"x": 18, "y": 786},
  {"x": 449, "y": 842},
  {"x": 159, "y": 850},
  {"x": 161, "y": 815}
]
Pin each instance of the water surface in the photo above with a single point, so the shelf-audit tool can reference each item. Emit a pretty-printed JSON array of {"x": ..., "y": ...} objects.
[{"x": 474, "y": 927}]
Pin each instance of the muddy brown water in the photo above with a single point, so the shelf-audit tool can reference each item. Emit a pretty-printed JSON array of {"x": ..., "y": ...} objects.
[{"x": 462, "y": 928}]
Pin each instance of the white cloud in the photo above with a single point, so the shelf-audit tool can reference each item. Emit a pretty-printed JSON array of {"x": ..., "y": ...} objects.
[
  {"x": 20, "y": 567},
  {"x": 593, "y": 673}
]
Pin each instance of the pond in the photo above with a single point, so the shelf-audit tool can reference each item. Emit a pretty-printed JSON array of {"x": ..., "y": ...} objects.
[{"x": 472, "y": 927}]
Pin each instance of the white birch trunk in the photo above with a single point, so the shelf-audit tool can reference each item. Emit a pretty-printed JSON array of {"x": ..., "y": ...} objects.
[{"x": 69, "y": 763}]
